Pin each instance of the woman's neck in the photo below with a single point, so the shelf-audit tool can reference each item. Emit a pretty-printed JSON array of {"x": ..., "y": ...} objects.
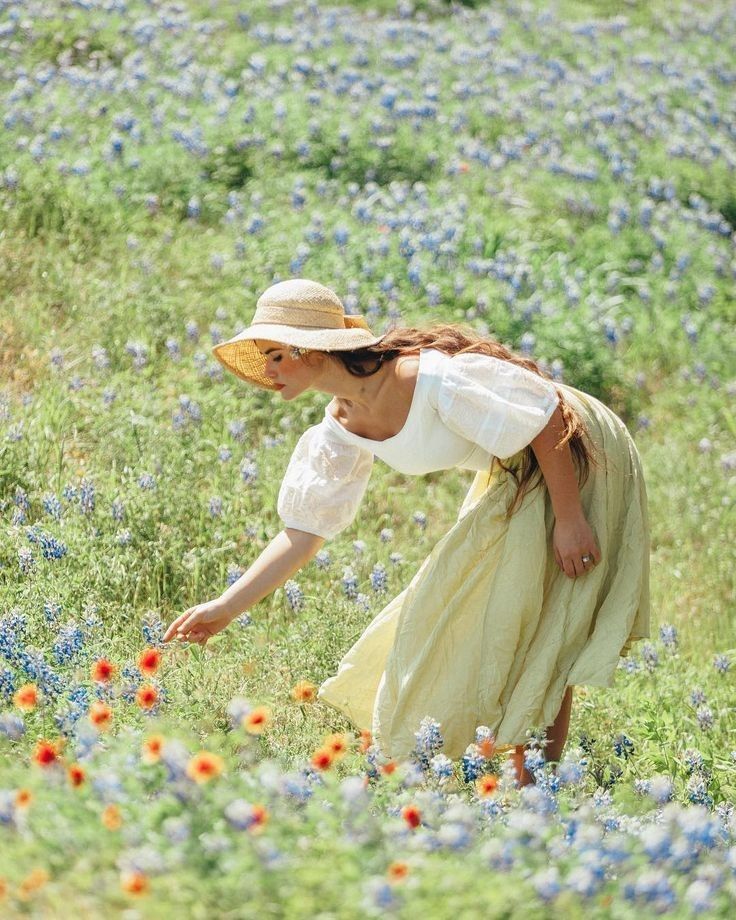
[{"x": 361, "y": 392}]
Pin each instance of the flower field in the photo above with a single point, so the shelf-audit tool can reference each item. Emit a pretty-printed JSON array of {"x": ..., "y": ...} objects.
[{"x": 558, "y": 175}]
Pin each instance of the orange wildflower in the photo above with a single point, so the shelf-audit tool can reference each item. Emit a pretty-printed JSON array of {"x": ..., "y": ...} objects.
[
  {"x": 304, "y": 692},
  {"x": 149, "y": 661},
  {"x": 46, "y": 753},
  {"x": 23, "y": 798},
  {"x": 338, "y": 744},
  {"x": 26, "y": 697},
  {"x": 35, "y": 879},
  {"x": 366, "y": 740},
  {"x": 76, "y": 774},
  {"x": 259, "y": 815},
  {"x": 486, "y": 785},
  {"x": 322, "y": 758},
  {"x": 487, "y": 748},
  {"x": 146, "y": 696},
  {"x": 397, "y": 871},
  {"x": 257, "y": 720},
  {"x": 103, "y": 670},
  {"x": 152, "y": 747},
  {"x": 204, "y": 766},
  {"x": 3, "y": 889},
  {"x": 100, "y": 715},
  {"x": 388, "y": 767},
  {"x": 111, "y": 817},
  {"x": 134, "y": 883},
  {"x": 412, "y": 816}
]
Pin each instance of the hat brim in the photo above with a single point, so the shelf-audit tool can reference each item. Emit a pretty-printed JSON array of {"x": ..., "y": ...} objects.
[{"x": 241, "y": 357}]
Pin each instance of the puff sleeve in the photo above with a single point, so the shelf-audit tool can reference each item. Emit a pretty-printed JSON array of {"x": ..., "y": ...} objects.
[
  {"x": 494, "y": 403},
  {"x": 324, "y": 483}
]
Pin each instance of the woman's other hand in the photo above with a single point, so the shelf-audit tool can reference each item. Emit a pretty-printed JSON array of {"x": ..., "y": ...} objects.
[
  {"x": 572, "y": 539},
  {"x": 200, "y": 623}
]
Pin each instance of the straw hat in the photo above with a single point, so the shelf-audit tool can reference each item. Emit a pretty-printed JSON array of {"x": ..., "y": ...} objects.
[{"x": 300, "y": 313}]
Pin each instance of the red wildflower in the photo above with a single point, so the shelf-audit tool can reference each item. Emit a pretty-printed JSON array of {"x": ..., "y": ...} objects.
[
  {"x": 204, "y": 766},
  {"x": 146, "y": 696},
  {"x": 322, "y": 758},
  {"x": 412, "y": 815},
  {"x": 46, "y": 753},
  {"x": 76, "y": 774},
  {"x": 149, "y": 661},
  {"x": 103, "y": 670},
  {"x": 100, "y": 715}
]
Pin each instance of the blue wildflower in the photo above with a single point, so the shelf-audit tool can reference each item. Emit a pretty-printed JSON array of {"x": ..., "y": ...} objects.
[
  {"x": 69, "y": 642},
  {"x": 294, "y": 595}
]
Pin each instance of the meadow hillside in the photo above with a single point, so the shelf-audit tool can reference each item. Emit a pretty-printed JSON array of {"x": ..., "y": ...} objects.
[{"x": 560, "y": 176}]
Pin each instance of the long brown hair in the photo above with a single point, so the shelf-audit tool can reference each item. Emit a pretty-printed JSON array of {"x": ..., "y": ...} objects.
[{"x": 453, "y": 339}]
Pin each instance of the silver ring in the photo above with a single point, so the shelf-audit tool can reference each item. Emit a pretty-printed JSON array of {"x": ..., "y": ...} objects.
[{"x": 586, "y": 558}]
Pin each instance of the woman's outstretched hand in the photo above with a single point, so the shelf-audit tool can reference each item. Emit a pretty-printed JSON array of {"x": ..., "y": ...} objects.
[
  {"x": 572, "y": 539},
  {"x": 200, "y": 623}
]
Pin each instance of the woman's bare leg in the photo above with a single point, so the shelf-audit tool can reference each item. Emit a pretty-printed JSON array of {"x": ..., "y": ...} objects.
[
  {"x": 556, "y": 736},
  {"x": 557, "y": 733}
]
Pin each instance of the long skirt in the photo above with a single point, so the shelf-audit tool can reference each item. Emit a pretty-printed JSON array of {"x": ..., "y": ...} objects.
[{"x": 491, "y": 631}]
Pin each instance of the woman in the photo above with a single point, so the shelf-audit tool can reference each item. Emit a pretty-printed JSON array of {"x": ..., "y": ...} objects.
[{"x": 540, "y": 585}]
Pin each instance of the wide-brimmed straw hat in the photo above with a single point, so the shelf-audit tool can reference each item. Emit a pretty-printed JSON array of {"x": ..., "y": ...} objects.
[{"x": 300, "y": 313}]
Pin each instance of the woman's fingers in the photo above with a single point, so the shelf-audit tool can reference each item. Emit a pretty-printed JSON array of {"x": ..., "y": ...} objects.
[{"x": 173, "y": 627}]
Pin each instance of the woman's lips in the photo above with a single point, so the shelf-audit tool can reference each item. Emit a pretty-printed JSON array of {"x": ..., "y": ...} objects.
[{"x": 279, "y": 386}]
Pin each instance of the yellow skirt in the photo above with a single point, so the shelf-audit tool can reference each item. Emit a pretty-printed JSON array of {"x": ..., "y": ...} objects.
[{"x": 490, "y": 631}]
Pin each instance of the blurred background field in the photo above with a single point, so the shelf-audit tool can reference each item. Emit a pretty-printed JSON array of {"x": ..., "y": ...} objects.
[{"x": 558, "y": 175}]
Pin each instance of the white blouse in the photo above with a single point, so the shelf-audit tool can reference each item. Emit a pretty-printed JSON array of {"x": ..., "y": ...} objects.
[{"x": 466, "y": 409}]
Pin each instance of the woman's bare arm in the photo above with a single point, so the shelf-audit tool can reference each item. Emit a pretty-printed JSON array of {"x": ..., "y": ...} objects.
[
  {"x": 558, "y": 469},
  {"x": 285, "y": 554},
  {"x": 573, "y": 538}
]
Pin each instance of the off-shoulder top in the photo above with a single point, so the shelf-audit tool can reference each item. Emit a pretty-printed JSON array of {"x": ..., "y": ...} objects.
[{"x": 466, "y": 409}]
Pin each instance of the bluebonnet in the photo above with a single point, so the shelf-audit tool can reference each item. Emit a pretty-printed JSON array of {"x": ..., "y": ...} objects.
[
  {"x": 350, "y": 583},
  {"x": 697, "y": 696},
  {"x": 69, "y": 642},
  {"x": 31, "y": 661},
  {"x": 7, "y": 684},
  {"x": 721, "y": 663},
  {"x": 429, "y": 741},
  {"x": 233, "y": 574},
  {"x": 249, "y": 471},
  {"x": 152, "y": 629},
  {"x": 650, "y": 656},
  {"x": 294, "y": 595},
  {"x": 441, "y": 766},
  {"x": 86, "y": 496},
  {"x": 215, "y": 506},
  {"x": 668, "y": 635},
  {"x": 420, "y": 519},
  {"x": 26, "y": 561},
  {"x": 378, "y": 578},
  {"x": 623, "y": 746},
  {"x": 322, "y": 559},
  {"x": 147, "y": 482},
  {"x": 100, "y": 357},
  {"x": 51, "y": 548},
  {"x": 472, "y": 763},
  {"x": 51, "y": 611},
  {"x": 52, "y": 506}
]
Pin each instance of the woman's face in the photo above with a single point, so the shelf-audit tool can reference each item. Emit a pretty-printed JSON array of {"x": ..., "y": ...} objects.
[{"x": 291, "y": 376}]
